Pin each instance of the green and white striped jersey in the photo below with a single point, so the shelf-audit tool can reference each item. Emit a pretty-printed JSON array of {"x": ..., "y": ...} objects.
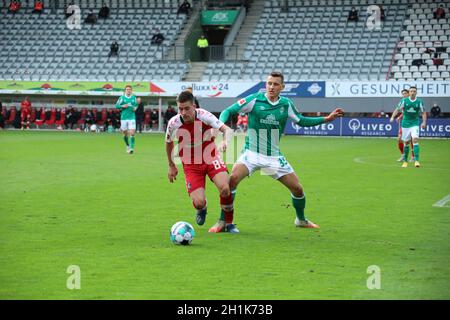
[
  {"x": 411, "y": 110},
  {"x": 267, "y": 120},
  {"x": 127, "y": 113}
]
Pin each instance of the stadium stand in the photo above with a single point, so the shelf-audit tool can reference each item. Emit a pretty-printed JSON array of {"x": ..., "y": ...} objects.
[
  {"x": 423, "y": 50},
  {"x": 42, "y": 47},
  {"x": 314, "y": 40},
  {"x": 308, "y": 39}
]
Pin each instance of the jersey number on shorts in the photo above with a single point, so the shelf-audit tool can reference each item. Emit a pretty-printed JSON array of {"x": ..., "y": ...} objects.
[
  {"x": 282, "y": 161},
  {"x": 218, "y": 164}
]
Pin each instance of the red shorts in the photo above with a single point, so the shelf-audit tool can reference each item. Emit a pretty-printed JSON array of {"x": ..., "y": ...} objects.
[
  {"x": 25, "y": 115},
  {"x": 195, "y": 173}
]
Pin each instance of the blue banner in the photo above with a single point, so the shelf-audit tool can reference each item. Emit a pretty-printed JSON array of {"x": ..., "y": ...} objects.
[
  {"x": 368, "y": 127},
  {"x": 325, "y": 129},
  {"x": 306, "y": 89}
]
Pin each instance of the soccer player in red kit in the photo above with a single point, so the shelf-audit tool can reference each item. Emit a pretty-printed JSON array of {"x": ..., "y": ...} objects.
[
  {"x": 25, "y": 113},
  {"x": 193, "y": 128}
]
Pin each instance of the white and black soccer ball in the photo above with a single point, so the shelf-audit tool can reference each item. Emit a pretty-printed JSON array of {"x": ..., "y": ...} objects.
[{"x": 182, "y": 233}]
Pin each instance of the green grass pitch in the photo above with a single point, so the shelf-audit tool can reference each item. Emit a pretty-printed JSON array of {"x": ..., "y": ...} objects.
[{"x": 79, "y": 199}]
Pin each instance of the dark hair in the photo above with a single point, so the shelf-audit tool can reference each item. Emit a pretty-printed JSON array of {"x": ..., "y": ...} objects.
[
  {"x": 185, "y": 96},
  {"x": 405, "y": 90},
  {"x": 413, "y": 87},
  {"x": 277, "y": 74}
]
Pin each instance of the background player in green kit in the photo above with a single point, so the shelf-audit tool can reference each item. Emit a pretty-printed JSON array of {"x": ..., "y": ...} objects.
[
  {"x": 412, "y": 108},
  {"x": 127, "y": 104},
  {"x": 267, "y": 116}
]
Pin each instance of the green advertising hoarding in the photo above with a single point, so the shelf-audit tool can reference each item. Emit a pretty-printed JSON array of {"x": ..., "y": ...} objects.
[
  {"x": 72, "y": 87},
  {"x": 219, "y": 17}
]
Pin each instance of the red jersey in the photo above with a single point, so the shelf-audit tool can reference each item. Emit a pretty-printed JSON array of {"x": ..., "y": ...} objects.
[
  {"x": 242, "y": 120},
  {"x": 195, "y": 140},
  {"x": 25, "y": 106}
]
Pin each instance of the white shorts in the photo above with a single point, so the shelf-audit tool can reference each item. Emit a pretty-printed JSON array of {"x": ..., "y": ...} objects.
[
  {"x": 276, "y": 167},
  {"x": 127, "y": 125},
  {"x": 410, "y": 133}
]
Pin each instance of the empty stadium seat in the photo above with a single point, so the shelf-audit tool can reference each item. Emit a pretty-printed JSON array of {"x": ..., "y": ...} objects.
[{"x": 87, "y": 49}]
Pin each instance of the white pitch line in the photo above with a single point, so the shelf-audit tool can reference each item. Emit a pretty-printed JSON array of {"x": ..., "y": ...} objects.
[
  {"x": 442, "y": 203},
  {"x": 361, "y": 161}
]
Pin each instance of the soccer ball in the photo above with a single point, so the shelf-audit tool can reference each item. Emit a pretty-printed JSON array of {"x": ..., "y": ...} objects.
[{"x": 182, "y": 233}]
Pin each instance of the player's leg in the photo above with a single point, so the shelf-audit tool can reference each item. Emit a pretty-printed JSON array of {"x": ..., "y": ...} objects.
[
  {"x": 292, "y": 182},
  {"x": 195, "y": 184},
  {"x": 406, "y": 136},
  {"x": 132, "y": 141},
  {"x": 239, "y": 172},
  {"x": 198, "y": 198},
  {"x": 124, "y": 129},
  {"x": 127, "y": 141},
  {"x": 415, "y": 141},
  {"x": 413, "y": 158},
  {"x": 132, "y": 131},
  {"x": 400, "y": 144},
  {"x": 22, "y": 120},
  {"x": 221, "y": 180}
]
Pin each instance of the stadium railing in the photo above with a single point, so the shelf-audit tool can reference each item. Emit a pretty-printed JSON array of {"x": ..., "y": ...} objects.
[{"x": 221, "y": 53}]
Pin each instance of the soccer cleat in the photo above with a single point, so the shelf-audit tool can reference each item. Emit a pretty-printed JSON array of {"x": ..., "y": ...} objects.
[
  {"x": 416, "y": 164},
  {"x": 231, "y": 228},
  {"x": 128, "y": 149},
  {"x": 218, "y": 227},
  {"x": 411, "y": 160},
  {"x": 305, "y": 224},
  {"x": 401, "y": 159},
  {"x": 200, "y": 218},
  {"x": 404, "y": 164},
  {"x": 131, "y": 151}
]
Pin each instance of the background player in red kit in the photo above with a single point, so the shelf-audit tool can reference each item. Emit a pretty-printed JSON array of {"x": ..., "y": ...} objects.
[
  {"x": 25, "y": 113},
  {"x": 193, "y": 128}
]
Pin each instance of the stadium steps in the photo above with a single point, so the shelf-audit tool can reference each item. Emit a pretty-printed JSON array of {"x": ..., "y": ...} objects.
[
  {"x": 250, "y": 22},
  {"x": 179, "y": 55},
  {"x": 196, "y": 71}
]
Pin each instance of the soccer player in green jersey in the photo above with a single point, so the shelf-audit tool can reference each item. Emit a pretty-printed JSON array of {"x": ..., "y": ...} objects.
[
  {"x": 127, "y": 104},
  {"x": 267, "y": 116},
  {"x": 405, "y": 94},
  {"x": 412, "y": 108}
]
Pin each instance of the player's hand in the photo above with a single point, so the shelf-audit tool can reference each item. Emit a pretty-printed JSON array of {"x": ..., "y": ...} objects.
[
  {"x": 424, "y": 125},
  {"x": 223, "y": 146},
  {"x": 172, "y": 175},
  {"x": 125, "y": 106},
  {"x": 338, "y": 112},
  {"x": 391, "y": 119}
]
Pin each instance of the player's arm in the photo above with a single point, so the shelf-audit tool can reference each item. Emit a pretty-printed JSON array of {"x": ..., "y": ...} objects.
[
  {"x": 303, "y": 121},
  {"x": 397, "y": 110},
  {"x": 119, "y": 104},
  {"x": 244, "y": 105},
  {"x": 134, "y": 103},
  {"x": 394, "y": 114},
  {"x": 227, "y": 135},
  {"x": 424, "y": 117},
  {"x": 173, "y": 171}
]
